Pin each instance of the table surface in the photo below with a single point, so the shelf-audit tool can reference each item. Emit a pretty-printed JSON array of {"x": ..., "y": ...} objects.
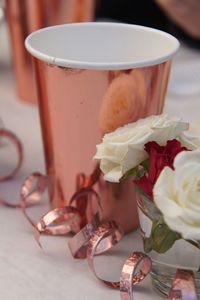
[{"x": 27, "y": 272}]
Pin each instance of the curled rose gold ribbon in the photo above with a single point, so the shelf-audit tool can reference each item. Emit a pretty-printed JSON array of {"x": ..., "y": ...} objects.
[
  {"x": 31, "y": 192},
  {"x": 103, "y": 238},
  {"x": 130, "y": 274},
  {"x": 62, "y": 220},
  {"x": 16, "y": 142},
  {"x": 84, "y": 189},
  {"x": 32, "y": 189},
  {"x": 95, "y": 237},
  {"x": 79, "y": 243},
  {"x": 136, "y": 267},
  {"x": 5, "y": 133},
  {"x": 183, "y": 287},
  {"x": 58, "y": 221},
  {"x": 52, "y": 222}
]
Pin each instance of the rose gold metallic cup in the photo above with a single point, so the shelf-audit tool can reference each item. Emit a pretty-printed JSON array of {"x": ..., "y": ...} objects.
[
  {"x": 26, "y": 16},
  {"x": 91, "y": 79}
]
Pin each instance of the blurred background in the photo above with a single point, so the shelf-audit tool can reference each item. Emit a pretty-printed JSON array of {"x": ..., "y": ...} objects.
[{"x": 18, "y": 18}]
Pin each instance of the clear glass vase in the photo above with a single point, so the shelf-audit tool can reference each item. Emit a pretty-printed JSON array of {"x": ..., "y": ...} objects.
[{"x": 169, "y": 255}]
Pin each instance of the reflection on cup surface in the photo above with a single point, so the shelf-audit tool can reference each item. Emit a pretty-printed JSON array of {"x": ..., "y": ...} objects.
[
  {"x": 83, "y": 96},
  {"x": 26, "y": 16}
]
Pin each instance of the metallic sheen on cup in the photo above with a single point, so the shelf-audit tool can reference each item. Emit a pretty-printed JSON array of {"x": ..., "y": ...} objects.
[
  {"x": 26, "y": 16},
  {"x": 91, "y": 79}
]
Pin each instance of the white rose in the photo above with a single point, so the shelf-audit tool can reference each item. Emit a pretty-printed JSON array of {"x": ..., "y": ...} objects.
[
  {"x": 189, "y": 142},
  {"x": 177, "y": 194},
  {"x": 123, "y": 149}
]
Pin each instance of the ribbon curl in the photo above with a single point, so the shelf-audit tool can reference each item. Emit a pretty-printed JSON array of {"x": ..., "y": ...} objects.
[
  {"x": 183, "y": 286},
  {"x": 5, "y": 133},
  {"x": 62, "y": 220},
  {"x": 93, "y": 238}
]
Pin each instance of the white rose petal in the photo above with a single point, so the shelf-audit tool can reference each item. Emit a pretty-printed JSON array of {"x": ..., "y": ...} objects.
[
  {"x": 113, "y": 175},
  {"x": 123, "y": 148},
  {"x": 189, "y": 142},
  {"x": 177, "y": 194}
]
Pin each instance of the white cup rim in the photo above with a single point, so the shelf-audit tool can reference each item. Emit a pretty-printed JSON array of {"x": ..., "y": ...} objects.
[{"x": 173, "y": 46}]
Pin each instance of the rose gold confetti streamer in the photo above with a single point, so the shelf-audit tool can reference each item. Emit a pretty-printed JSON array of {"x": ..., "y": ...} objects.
[
  {"x": 183, "y": 287},
  {"x": 95, "y": 237},
  {"x": 79, "y": 243},
  {"x": 84, "y": 188},
  {"x": 5, "y": 133},
  {"x": 16, "y": 142},
  {"x": 33, "y": 188},
  {"x": 59, "y": 221},
  {"x": 81, "y": 194},
  {"x": 130, "y": 274},
  {"x": 103, "y": 238},
  {"x": 31, "y": 192}
]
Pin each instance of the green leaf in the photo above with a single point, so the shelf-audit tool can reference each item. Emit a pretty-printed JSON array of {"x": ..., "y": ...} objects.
[
  {"x": 148, "y": 245},
  {"x": 138, "y": 171},
  {"x": 162, "y": 237},
  {"x": 145, "y": 164},
  {"x": 130, "y": 173}
]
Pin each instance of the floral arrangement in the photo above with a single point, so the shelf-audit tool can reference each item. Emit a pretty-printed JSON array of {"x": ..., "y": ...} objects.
[{"x": 164, "y": 164}]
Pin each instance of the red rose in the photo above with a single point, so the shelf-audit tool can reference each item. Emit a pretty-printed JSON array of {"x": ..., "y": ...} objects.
[{"x": 159, "y": 157}]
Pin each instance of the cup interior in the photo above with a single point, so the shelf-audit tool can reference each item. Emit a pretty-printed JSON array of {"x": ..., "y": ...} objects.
[{"x": 99, "y": 45}]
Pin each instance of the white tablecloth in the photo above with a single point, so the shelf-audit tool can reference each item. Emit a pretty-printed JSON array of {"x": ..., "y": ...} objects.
[{"x": 27, "y": 272}]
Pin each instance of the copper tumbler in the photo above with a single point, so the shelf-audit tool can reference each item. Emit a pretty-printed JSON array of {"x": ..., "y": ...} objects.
[
  {"x": 26, "y": 16},
  {"x": 91, "y": 79}
]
